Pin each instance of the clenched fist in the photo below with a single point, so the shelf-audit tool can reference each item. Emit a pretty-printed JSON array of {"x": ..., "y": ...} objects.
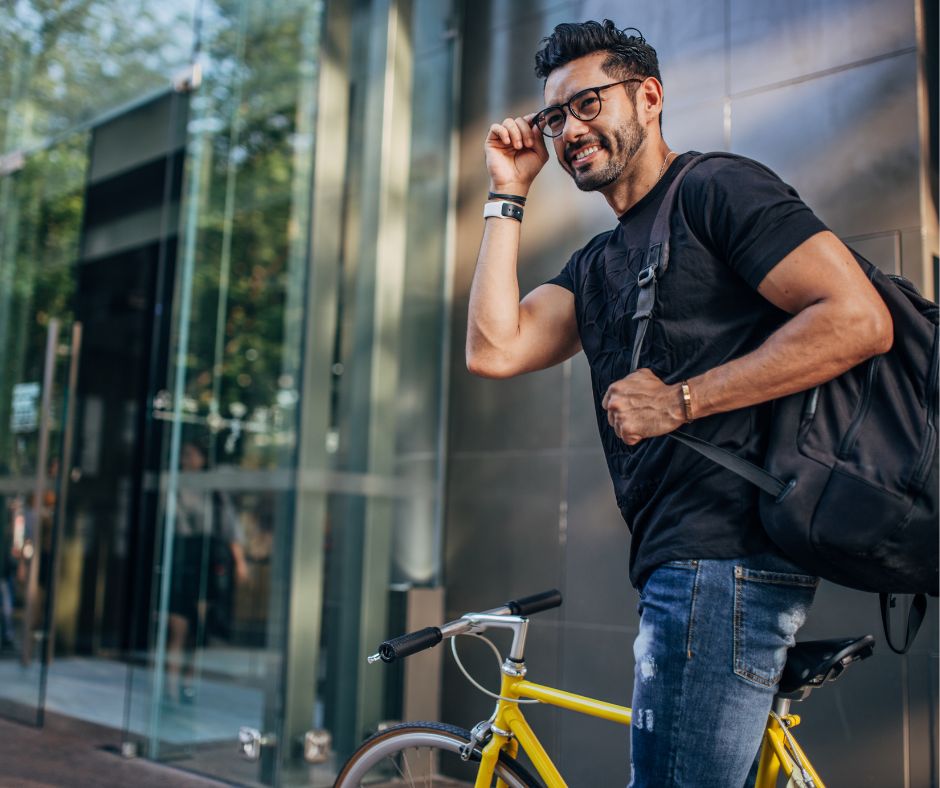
[{"x": 642, "y": 406}]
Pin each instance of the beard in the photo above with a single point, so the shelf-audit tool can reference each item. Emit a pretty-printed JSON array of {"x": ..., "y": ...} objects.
[{"x": 621, "y": 151}]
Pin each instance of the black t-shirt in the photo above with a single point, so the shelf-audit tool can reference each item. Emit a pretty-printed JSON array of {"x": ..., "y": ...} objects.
[{"x": 734, "y": 223}]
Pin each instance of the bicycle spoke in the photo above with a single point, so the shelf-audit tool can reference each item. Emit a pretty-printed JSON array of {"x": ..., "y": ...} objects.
[
  {"x": 410, "y": 778},
  {"x": 394, "y": 762}
]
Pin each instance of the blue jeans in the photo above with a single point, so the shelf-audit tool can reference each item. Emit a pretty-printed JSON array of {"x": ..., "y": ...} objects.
[{"x": 712, "y": 644}]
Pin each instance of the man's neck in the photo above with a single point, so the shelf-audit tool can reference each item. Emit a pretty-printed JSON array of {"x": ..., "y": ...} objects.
[{"x": 637, "y": 181}]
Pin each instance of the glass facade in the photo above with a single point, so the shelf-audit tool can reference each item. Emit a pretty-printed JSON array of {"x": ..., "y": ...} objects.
[{"x": 224, "y": 309}]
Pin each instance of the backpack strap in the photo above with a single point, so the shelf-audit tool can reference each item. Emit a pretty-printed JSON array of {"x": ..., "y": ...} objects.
[
  {"x": 756, "y": 475},
  {"x": 657, "y": 261},
  {"x": 915, "y": 617}
]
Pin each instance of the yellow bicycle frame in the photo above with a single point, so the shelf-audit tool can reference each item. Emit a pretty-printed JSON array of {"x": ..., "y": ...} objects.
[{"x": 511, "y": 731}]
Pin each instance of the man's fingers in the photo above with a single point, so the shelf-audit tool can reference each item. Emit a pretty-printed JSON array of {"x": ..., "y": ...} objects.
[
  {"x": 500, "y": 132},
  {"x": 515, "y": 132},
  {"x": 528, "y": 138}
]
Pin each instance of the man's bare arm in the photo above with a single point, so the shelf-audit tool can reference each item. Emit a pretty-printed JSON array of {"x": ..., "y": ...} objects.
[
  {"x": 506, "y": 337},
  {"x": 839, "y": 320}
]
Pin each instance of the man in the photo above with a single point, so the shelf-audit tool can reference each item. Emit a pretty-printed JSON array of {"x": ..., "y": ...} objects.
[{"x": 760, "y": 301}]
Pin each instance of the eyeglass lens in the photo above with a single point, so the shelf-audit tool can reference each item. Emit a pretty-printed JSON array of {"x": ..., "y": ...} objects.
[{"x": 585, "y": 105}]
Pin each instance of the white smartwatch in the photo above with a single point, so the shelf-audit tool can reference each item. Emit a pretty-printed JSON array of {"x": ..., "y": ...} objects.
[{"x": 502, "y": 210}]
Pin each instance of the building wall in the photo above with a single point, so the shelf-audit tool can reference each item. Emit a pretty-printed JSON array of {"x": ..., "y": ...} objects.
[{"x": 825, "y": 93}]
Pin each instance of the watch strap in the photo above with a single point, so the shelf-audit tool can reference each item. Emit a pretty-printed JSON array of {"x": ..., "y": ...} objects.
[{"x": 502, "y": 210}]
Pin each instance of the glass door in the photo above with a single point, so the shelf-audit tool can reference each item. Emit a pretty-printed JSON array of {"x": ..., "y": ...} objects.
[
  {"x": 121, "y": 288},
  {"x": 223, "y": 421},
  {"x": 41, "y": 208}
]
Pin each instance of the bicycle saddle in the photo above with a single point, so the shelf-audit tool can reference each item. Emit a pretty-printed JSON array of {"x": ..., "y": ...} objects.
[{"x": 813, "y": 663}]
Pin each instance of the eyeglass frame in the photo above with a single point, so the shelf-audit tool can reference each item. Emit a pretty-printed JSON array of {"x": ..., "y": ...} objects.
[{"x": 571, "y": 112}]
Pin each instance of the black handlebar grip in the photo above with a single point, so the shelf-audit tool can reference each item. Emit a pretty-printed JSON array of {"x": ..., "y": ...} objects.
[
  {"x": 413, "y": 642},
  {"x": 536, "y": 603}
]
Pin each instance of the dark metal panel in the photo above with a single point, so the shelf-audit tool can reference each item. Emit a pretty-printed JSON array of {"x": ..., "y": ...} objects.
[
  {"x": 913, "y": 260},
  {"x": 500, "y": 44},
  {"x": 883, "y": 250},
  {"x": 502, "y": 530},
  {"x": 688, "y": 38},
  {"x": 522, "y": 413},
  {"x": 598, "y": 662},
  {"x": 699, "y": 126},
  {"x": 517, "y": 15},
  {"x": 923, "y": 669},
  {"x": 853, "y": 729},
  {"x": 582, "y": 416},
  {"x": 600, "y": 622},
  {"x": 597, "y": 551},
  {"x": 847, "y": 142},
  {"x": 502, "y": 542},
  {"x": 772, "y": 41}
]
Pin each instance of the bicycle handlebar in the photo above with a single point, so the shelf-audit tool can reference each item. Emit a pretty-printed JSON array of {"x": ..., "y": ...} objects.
[
  {"x": 413, "y": 642},
  {"x": 528, "y": 605}
]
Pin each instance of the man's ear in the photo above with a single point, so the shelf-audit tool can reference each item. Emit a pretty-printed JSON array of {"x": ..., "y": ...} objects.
[{"x": 649, "y": 100}]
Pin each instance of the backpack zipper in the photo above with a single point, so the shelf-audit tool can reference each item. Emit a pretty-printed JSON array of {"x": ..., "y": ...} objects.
[
  {"x": 810, "y": 403},
  {"x": 923, "y": 462},
  {"x": 848, "y": 442}
]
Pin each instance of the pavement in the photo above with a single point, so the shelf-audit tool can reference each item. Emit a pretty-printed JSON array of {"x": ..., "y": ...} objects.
[{"x": 56, "y": 755}]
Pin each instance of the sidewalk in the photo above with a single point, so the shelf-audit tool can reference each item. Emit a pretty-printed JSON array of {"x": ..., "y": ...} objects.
[{"x": 41, "y": 757}]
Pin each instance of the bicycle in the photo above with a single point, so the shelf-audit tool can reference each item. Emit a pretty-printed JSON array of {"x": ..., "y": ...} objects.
[{"x": 413, "y": 751}]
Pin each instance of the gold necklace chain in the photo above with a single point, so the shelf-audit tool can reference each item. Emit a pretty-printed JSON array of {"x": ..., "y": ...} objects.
[{"x": 663, "y": 168}]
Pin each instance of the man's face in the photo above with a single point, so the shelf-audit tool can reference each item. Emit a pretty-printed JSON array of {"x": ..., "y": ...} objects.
[{"x": 595, "y": 152}]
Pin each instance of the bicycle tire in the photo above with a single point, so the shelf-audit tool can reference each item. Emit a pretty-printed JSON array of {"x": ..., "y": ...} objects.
[{"x": 385, "y": 748}]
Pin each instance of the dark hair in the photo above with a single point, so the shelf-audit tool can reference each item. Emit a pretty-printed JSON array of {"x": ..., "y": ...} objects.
[{"x": 630, "y": 55}]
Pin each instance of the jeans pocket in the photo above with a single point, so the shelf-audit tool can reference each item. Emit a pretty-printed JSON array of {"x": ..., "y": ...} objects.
[{"x": 769, "y": 608}]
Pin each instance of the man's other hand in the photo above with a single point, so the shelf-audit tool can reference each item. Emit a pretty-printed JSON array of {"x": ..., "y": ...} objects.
[
  {"x": 515, "y": 154},
  {"x": 642, "y": 406}
]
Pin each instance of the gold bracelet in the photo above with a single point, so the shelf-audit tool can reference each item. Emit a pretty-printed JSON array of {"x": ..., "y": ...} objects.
[{"x": 687, "y": 401}]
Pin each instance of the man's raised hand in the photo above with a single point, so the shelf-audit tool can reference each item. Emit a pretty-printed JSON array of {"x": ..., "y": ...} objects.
[{"x": 515, "y": 154}]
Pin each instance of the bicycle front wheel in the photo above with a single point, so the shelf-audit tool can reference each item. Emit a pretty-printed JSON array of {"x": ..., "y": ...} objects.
[{"x": 426, "y": 754}]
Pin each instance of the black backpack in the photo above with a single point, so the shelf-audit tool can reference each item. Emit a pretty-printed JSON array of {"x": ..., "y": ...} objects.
[{"x": 850, "y": 476}]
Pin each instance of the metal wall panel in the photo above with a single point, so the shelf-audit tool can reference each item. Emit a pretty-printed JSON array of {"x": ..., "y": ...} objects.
[
  {"x": 924, "y": 669},
  {"x": 520, "y": 414},
  {"x": 689, "y": 39},
  {"x": 852, "y": 730},
  {"x": 597, "y": 543},
  {"x": 699, "y": 126},
  {"x": 773, "y": 42},
  {"x": 597, "y": 662},
  {"x": 846, "y": 141},
  {"x": 582, "y": 417},
  {"x": 502, "y": 538},
  {"x": 600, "y": 622}
]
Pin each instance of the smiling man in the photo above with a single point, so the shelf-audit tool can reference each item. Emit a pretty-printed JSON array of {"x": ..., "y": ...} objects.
[{"x": 760, "y": 301}]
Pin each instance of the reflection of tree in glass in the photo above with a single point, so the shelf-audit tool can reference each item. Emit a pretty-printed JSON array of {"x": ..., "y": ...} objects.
[
  {"x": 66, "y": 62},
  {"x": 71, "y": 61},
  {"x": 250, "y": 103},
  {"x": 40, "y": 223}
]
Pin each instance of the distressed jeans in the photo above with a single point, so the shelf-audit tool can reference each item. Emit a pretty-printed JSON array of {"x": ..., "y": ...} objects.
[{"x": 711, "y": 647}]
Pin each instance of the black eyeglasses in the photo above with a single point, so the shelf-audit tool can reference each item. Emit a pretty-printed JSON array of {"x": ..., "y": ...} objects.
[{"x": 584, "y": 105}]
